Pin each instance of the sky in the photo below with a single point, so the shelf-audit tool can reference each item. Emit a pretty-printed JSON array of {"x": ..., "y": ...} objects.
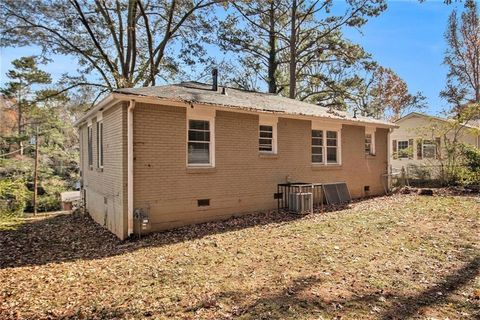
[{"x": 407, "y": 37}]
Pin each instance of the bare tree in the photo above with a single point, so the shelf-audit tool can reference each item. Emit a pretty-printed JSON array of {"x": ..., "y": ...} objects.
[
  {"x": 463, "y": 57},
  {"x": 126, "y": 44}
]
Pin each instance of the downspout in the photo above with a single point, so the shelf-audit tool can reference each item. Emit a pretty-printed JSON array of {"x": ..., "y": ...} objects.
[
  {"x": 131, "y": 107},
  {"x": 389, "y": 159}
]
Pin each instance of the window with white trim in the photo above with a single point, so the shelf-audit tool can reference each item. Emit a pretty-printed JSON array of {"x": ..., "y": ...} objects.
[
  {"x": 100, "y": 144},
  {"x": 370, "y": 141},
  {"x": 200, "y": 137},
  {"x": 198, "y": 142},
  {"x": 402, "y": 148},
  {"x": 90, "y": 145},
  {"x": 265, "y": 142},
  {"x": 326, "y": 144},
  {"x": 332, "y": 147},
  {"x": 267, "y": 134}
]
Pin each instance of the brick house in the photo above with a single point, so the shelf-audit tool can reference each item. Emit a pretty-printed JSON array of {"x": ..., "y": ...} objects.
[{"x": 189, "y": 153}]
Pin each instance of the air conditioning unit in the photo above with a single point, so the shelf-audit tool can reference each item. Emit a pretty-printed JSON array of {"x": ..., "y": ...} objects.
[{"x": 300, "y": 202}]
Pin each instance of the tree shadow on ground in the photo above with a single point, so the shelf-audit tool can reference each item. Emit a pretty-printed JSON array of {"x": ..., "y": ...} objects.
[
  {"x": 409, "y": 306},
  {"x": 69, "y": 237},
  {"x": 297, "y": 299}
]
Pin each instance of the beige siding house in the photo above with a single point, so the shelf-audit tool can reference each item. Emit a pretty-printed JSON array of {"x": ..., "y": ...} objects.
[
  {"x": 419, "y": 140},
  {"x": 188, "y": 153}
]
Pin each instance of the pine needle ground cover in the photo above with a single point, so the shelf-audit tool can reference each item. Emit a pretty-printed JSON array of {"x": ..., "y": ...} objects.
[{"x": 404, "y": 256}]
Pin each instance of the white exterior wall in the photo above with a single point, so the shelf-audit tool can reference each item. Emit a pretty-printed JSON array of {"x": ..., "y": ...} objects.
[{"x": 418, "y": 126}]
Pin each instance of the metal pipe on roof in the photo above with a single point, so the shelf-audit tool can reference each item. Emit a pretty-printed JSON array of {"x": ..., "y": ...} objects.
[{"x": 215, "y": 79}]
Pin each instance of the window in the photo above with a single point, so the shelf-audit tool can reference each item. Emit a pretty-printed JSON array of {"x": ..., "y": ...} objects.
[
  {"x": 370, "y": 141},
  {"x": 199, "y": 142},
  {"x": 317, "y": 146},
  {"x": 265, "y": 142},
  {"x": 429, "y": 149},
  {"x": 325, "y": 143},
  {"x": 267, "y": 134},
  {"x": 90, "y": 146},
  {"x": 402, "y": 148},
  {"x": 100, "y": 144},
  {"x": 332, "y": 147}
]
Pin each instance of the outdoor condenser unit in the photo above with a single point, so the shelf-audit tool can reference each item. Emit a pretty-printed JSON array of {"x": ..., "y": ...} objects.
[{"x": 300, "y": 202}]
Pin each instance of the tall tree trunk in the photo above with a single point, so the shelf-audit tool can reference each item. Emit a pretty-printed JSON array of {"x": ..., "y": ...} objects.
[
  {"x": 293, "y": 51},
  {"x": 272, "y": 53},
  {"x": 35, "y": 175},
  {"x": 20, "y": 120}
]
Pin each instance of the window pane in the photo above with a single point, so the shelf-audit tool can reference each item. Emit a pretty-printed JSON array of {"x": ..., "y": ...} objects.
[
  {"x": 331, "y": 155},
  {"x": 331, "y": 142},
  {"x": 265, "y": 141},
  {"x": 199, "y": 124},
  {"x": 331, "y": 135},
  {"x": 317, "y": 133},
  {"x": 317, "y": 141},
  {"x": 266, "y": 134},
  {"x": 194, "y": 135},
  {"x": 317, "y": 158},
  {"x": 368, "y": 138},
  {"x": 266, "y": 128},
  {"x": 429, "y": 151},
  {"x": 402, "y": 145},
  {"x": 317, "y": 150},
  {"x": 101, "y": 144},
  {"x": 198, "y": 153},
  {"x": 368, "y": 148}
]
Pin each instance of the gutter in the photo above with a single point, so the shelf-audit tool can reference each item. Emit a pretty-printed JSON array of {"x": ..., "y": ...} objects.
[{"x": 130, "y": 109}]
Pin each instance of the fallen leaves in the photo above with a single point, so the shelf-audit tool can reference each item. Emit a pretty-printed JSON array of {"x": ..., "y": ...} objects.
[{"x": 361, "y": 262}]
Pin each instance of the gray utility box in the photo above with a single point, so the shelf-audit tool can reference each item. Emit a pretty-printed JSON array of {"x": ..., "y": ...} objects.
[{"x": 300, "y": 202}]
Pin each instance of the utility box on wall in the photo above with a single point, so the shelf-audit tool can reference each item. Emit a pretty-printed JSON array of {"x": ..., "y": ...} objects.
[{"x": 142, "y": 223}]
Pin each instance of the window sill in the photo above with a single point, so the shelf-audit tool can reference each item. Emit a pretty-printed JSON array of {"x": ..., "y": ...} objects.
[
  {"x": 266, "y": 155},
  {"x": 201, "y": 169},
  {"x": 370, "y": 156},
  {"x": 319, "y": 167},
  {"x": 99, "y": 170}
]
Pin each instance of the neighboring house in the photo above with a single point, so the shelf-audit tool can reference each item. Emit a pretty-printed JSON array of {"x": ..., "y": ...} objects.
[
  {"x": 419, "y": 140},
  {"x": 187, "y": 153}
]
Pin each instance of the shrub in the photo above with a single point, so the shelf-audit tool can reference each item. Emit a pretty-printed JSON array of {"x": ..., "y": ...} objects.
[{"x": 13, "y": 197}]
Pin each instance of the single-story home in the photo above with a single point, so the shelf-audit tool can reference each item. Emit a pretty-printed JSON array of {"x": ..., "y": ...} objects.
[
  {"x": 419, "y": 140},
  {"x": 191, "y": 152}
]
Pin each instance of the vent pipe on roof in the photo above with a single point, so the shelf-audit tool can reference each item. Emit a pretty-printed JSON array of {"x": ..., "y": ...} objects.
[{"x": 215, "y": 79}]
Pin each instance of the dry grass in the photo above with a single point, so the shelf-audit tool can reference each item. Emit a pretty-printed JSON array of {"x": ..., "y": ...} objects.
[{"x": 397, "y": 257}]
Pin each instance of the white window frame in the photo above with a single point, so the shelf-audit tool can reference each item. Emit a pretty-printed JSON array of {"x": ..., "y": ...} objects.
[
  {"x": 90, "y": 144},
  {"x": 322, "y": 146},
  {"x": 268, "y": 120},
  {"x": 370, "y": 131},
  {"x": 203, "y": 114},
  {"x": 100, "y": 139},
  {"x": 399, "y": 155},
  {"x": 326, "y": 126}
]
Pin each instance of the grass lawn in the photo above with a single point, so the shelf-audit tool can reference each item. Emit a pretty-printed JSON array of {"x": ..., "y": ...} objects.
[{"x": 398, "y": 257}]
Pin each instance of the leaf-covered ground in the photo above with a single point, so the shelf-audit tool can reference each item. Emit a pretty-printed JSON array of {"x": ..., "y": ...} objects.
[{"x": 396, "y": 257}]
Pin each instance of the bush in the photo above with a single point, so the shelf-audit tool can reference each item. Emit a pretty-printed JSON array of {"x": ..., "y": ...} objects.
[{"x": 13, "y": 197}]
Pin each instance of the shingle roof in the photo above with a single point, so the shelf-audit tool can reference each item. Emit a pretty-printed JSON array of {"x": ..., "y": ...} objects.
[{"x": 195, "y": 92}]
